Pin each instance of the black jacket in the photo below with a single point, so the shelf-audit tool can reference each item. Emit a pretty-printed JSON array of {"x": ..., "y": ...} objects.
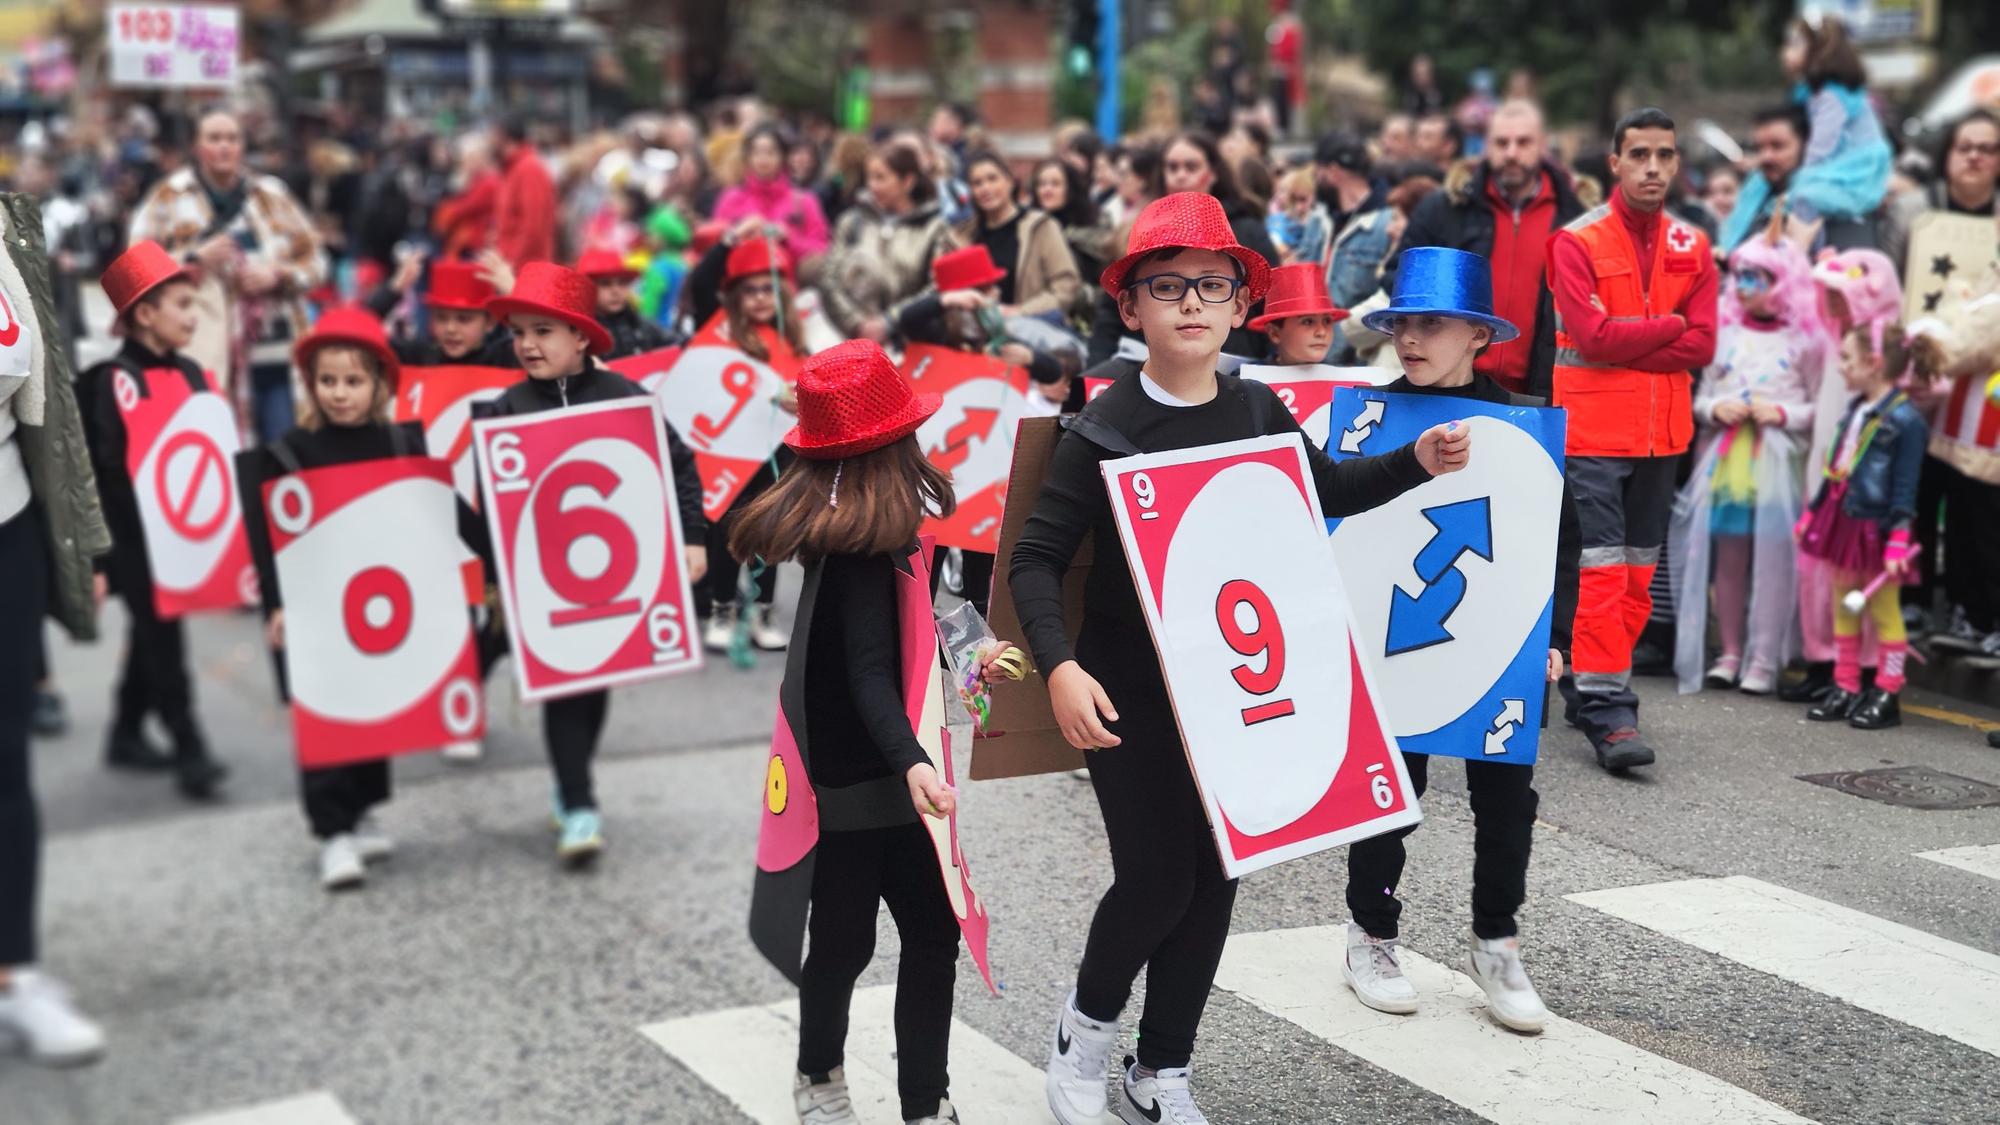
[
  {"x": 1460, "y": 215},
  {"x": 633, "y": 334}
]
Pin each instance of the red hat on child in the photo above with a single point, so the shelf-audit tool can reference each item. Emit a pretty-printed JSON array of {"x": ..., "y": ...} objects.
[
  {"x": 547, "y": 289},
  {"x": 142, "y": 268},
  {"x": 970, "y": 268},
  {"x": 601, "y": 264},
  {"x": 1297, "y": 290},
  {"x": 458, "y": 285},
  {"x": 354, "y": 326},
  {"x": 1186, "y": 220},
  {"x": 706, "y": 236},
  {"x": 756, "y": 257},
  {"x": 852, "y": 400}
]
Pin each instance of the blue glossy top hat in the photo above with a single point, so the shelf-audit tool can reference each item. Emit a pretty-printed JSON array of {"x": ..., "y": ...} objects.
[{"x": 1443, "y": 282}]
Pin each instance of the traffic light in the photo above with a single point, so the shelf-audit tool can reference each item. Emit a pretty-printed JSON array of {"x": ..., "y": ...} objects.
[{"x": 1080, "y": 54}]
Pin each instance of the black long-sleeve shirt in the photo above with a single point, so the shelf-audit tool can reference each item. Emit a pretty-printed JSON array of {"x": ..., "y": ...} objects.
[
  {"x": 1569, "y": 534},
  {"x": 1073, "y": 503},
  {"x": 857, "y": 728}
]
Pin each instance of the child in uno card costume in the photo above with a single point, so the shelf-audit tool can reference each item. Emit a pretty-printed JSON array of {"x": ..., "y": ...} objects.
[
  {"x": 1185, "y": 283},
  {"x": 1441, "y": 318}
]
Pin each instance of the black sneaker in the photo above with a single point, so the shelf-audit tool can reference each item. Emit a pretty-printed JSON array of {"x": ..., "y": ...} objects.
[
  {"x": 50, "y": 719},
  {"x": 1993, "y": 739},
  {"x": 199, "y": 778},
  {"x": 1650, "y": 658},
  {"x": 1623, "y": 749},
  {"x": 1877, "y": 710},
  {"x": 1837, "y": 705},
  {"x": 130, "y": 750},
  {"x": 1812, "y": 689}
]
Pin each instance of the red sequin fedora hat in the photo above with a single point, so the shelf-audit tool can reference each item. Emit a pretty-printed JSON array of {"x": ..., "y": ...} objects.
[
  {"x": 457, "y": 285},
  {"x": 969, "y": 268},
  {"x": 1297, "y": 290},
  {"x": 349, "y": 325},
  {"x": 1187, "y": 220},
  {"x": 756, "y": 257},
  {"x": 550, "y": 290},
  {"x": 852, "y": 400},
  {"x": 596, "y": 264},
  {"x": 142, "y": 268}
]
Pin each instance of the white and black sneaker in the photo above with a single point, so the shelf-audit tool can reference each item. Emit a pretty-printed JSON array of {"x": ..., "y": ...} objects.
[
  {"x": 1511, "y": 998},
  {"x": 946, "y": 1115},
  {"x": 1959, "y": 634},
  {"x": 824, "y": 1101},
  {"x": 1079, "y": 1061},
  {"x": 1166, "y": 1098},
  {"x": 1372, "y": 971}
]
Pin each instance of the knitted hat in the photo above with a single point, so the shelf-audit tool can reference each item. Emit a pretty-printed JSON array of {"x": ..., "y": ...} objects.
[
  {"x": 349, "y": 325},
  {"x": 458, "y": 285},
  {"x": 1297, "y": 290},
  {"x": 1186, "y": 220},
  {"x": 852, "y": 400},
  {"x": 755, "y": 258},
  {"x": 547, "y": 289},
  {"x": 970, "y": 268},
  {"x": 142, "y": 268},
  {"x": 1440, "y": 281},
  {"x": 604, "y": 265}
]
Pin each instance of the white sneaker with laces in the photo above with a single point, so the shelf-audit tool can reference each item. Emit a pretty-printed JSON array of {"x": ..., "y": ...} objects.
[
  {"x": 371, "y": 842},
  {"x": 1511, "y": 998},
  {"x": 38, "y": 1018},
  {"x": 947, "y": 1114},
  {"x": 824, "y": 1103},
  {"x": 470, "y": 750},
  {"x": 720, "y": 632},
  {"x": 1372, "y": 971},
  {"x": 1079, "y": 1059},
  {"x": 1959, "y": 634},
  {"x": 340, "y": 864},
  {"x": 765, "y": 635},
  {"x": 1164, "y": 1099}
]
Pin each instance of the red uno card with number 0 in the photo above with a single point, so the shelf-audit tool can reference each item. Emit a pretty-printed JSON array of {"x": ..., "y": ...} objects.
[
  {"x": 379, "y": 651},
  {"x": 1228, "y": 550},
  {"x": 180, "y": 446},
  {"x": 587, "y": 540},
  {"x": 971, "y": 436}
]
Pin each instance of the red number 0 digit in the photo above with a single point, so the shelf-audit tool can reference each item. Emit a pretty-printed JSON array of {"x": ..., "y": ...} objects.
[
  {"x": 1266, "y": 639},
  {"x": 561, "y": 527}
]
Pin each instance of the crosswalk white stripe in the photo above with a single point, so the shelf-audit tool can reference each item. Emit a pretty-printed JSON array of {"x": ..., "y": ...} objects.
[
  {"x": 1922, "y": 980},
  {"x": 1980, "y": 859},
  {"x": 748, "y": 1055},
  {"x": 1569, "y": 1073},
  {"x": 317, "y": 1108}
]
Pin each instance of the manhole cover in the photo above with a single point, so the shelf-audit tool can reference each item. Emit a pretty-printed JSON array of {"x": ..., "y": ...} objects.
[{"x": 1912, "y": 787}]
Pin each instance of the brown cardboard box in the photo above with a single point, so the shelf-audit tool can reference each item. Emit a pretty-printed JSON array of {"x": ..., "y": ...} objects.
[{"x": 1022, "y": 737}]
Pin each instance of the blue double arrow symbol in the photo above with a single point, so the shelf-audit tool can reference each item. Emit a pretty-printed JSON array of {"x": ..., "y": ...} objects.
[{"x": 1418, "y": 622}]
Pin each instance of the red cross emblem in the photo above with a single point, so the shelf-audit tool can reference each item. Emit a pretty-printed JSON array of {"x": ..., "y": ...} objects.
[{"x": 1680, "y": 239}]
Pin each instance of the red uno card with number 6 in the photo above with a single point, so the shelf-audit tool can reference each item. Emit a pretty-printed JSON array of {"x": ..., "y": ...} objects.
[
  {"x": 587, "y": 538},
  {"x": 1228, "y": 550},
  {"x": 379, "y": 650}
]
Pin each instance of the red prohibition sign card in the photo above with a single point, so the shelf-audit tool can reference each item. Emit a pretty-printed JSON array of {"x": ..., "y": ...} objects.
[
  {"x": 379, "y": 650},
  {"x": 1228, "y": 551},
  {"x": 587, "y": 540},
  {"x": 180, "y": 446}
]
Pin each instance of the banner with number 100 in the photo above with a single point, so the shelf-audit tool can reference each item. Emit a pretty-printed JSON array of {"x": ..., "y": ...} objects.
[
  {"x": 587, "y": 540},
  {"x": 1228, "y": 551}
]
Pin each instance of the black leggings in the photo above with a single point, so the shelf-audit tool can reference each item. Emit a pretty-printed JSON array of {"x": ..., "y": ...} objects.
[
  {"x": 23, "y": 598},
  {"x": 724, "y": 572},
  {"x": 1168, "y": 908},
  {"x": 975, "y": 576},
  {"x": 852, "y": 871},
  {"x": 1503, "y": 825},
  {"x": 338, "y": 797},
  {"x": 155, "y": 675},
  {"x": 571, "y": 726}
]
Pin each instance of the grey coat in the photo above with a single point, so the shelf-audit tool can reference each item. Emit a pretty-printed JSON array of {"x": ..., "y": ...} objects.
[{"x": 50, "y": 433}]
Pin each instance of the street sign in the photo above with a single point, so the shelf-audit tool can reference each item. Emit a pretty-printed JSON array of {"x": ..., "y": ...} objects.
[{"x": 177, "y": 46}]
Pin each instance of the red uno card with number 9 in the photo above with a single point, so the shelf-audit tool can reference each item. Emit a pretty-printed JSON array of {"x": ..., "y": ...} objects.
[
  {"x": 587, "y": 540},
  {"x": 379, "y": 650},
  {"x": 1228, "y": 551}
]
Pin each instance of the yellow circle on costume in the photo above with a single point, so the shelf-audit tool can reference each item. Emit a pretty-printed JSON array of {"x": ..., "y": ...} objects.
[
  {"x": 1993, "y": 386},
  {"x": 777, "y": 790}
]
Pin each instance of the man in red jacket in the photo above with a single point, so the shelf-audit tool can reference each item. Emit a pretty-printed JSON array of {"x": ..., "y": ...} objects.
[
  {"x": 1635, "y": 296},
  {"x": 525, "y": 221}
]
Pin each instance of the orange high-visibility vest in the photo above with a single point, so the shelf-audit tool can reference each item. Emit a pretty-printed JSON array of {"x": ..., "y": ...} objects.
[{"x": 1617, "y": 411}]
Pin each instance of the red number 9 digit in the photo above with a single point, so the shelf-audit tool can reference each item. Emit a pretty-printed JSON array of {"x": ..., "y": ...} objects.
[
  {"x": 561, "y": 527},
  {"x": 1266, "y": 639}
]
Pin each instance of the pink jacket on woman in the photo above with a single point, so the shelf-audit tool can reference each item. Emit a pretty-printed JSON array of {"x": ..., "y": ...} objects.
[{"x": 777, "y": 201}]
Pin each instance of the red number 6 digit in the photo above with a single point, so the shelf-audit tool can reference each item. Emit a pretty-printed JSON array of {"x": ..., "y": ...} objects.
[
  {"x": 561, "y": 527},
  {"x": 1266, "y": 639}
]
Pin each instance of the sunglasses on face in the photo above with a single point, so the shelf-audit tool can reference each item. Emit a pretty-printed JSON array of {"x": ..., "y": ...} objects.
[{"x": 1213, "y": 289}]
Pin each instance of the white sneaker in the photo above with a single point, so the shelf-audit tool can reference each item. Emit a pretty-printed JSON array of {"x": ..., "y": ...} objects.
[
  {"x": 720, "y": 632},
  {"x": 1164, "y": 1099},
  {"x": 373, "y": 844},
  {"x": 38, "y": 1018},
  {"x": 340, "y": 865},
  {"x": 1079, "y": 1059},
  {"x": 1722, "y": 673},
  {"x": 946, "y": 1115},
  {"x": 1758, "y": 680},
  {"x": 824, "y": 1103},
  {"x": 1372, "y": 971},
  {"x": 1959, "y": 634},
  {"x": 765, "y": 635},
  {"x": 1511, "y": 998},
  {"x": 470, "y": 750}
]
